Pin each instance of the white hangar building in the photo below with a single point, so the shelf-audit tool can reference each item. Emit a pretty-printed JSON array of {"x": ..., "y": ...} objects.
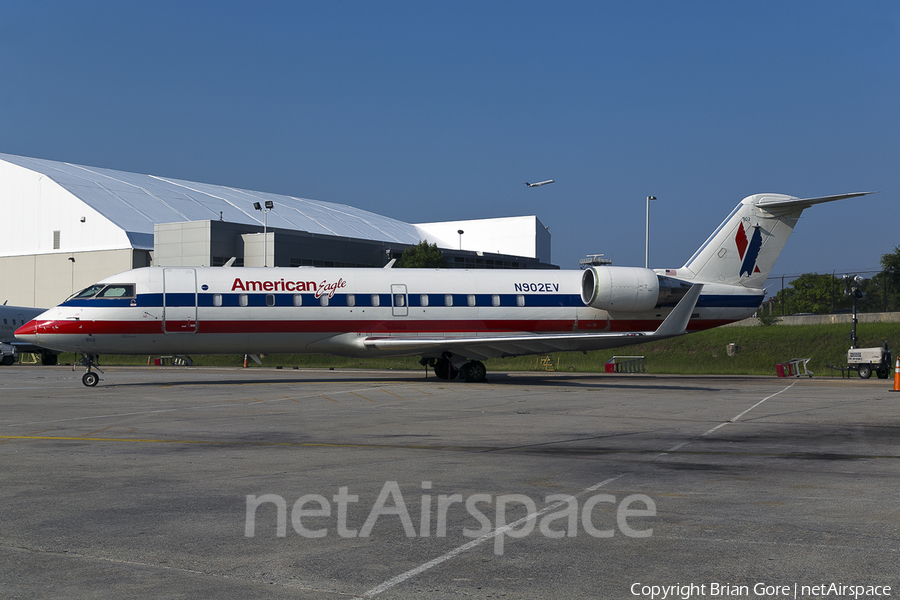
[{"x": 67, "y": 226}]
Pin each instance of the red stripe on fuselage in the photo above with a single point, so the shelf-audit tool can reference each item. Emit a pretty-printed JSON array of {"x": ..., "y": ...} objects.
[
  {"x": 82, "y": 327},
  {"x": 94, "y": 328}
]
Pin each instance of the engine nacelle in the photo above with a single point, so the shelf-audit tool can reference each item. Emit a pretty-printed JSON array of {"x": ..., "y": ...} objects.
[{"x": 629, "y": 289}]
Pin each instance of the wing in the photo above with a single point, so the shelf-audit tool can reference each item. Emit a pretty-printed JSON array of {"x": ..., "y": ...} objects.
[{"x": 493, "y": 346}]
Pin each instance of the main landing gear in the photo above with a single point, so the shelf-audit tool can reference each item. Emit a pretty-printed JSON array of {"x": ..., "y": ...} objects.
[
  {"x": 474, "y": 371},
  {"x": 450, "y": 367},
  {"x": 90, "y": 379}
]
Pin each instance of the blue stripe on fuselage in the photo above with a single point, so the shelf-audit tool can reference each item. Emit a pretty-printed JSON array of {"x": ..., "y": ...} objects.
[{"x": 206, "y": 299}]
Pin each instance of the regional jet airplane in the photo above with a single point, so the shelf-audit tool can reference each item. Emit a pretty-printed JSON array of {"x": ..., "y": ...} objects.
[
  {"x": 453, "y": 319},
  {"x": 540, "y": 183}
]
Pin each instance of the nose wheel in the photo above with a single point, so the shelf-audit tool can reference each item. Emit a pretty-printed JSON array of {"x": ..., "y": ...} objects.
[{"x": 90, "y": 379}]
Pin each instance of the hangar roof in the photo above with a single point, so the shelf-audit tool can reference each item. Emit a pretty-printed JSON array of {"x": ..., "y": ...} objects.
[{"x": 135, "y": 202}]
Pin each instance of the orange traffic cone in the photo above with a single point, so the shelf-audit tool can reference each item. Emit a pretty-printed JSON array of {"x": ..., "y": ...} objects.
[{"x": 897, "y": 377}]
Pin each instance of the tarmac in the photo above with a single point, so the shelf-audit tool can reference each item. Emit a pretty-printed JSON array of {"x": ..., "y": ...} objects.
[{"x": 263, "y": 483}]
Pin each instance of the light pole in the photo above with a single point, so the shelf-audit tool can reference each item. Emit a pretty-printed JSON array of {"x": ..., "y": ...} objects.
[
  {"x": 72, "y": 258},
  {"x": 269, "y": 206},
  {"x": 647, "y": 237},
  {"x": 852, "y": 287},
  {"x": 460, "y": 232}
]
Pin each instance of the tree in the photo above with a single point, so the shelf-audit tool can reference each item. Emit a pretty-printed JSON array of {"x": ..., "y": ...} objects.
[
  {"x": 421, "y": 256},
  {"x": 811, "y": 293},
  {"x": 891, "y": 260},
  {"x": 883, "y": 291},
  {"x": 820, "y": 294}
]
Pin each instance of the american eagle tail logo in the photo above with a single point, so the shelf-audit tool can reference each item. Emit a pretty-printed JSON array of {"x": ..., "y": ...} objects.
[{"x": 748, "y": 250}]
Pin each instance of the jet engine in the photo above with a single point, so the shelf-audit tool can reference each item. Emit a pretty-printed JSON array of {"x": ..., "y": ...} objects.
[{"x": 629, "y": 289}]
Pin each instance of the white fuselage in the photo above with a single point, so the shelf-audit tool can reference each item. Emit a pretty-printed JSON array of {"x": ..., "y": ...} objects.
[{"x": 215, "y": 310}]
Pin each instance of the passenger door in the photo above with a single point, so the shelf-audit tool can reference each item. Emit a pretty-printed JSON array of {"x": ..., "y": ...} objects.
[{"x": 179, "y": 300}]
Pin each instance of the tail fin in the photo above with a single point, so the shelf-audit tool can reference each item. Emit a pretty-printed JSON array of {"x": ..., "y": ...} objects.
[{"x": 745, "y": 246}]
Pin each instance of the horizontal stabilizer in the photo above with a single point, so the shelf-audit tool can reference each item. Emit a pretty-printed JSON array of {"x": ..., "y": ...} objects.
[{"x": 780, "y": 202}]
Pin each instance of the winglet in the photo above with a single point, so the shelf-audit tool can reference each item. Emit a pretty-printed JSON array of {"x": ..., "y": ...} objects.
[{"x": 676, "y": 322}]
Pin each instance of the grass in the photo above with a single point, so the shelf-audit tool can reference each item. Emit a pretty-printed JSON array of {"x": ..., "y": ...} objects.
[{"x": 759, "y": 350}]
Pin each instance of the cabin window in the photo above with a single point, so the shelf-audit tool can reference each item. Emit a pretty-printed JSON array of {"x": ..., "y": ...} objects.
[
  {"x": 323, "y": 301},
  {"x": 470, "y": 299},
  {"x": 242, "y": 299},
  {"x": 351, "y": 300},
  {"x": 423, "y": 300},
  {"x": 448, "y": 300},
  {"x": 399, "y": 300},
  {"x": 217, "y": 299},
  {"x": 376, "y": 300},
  {"x": 520, "y": 300},
  {"x": 298, "y": 300},
  {"x": 270, "y": 299},
  {"x": 495, "y": 300}
]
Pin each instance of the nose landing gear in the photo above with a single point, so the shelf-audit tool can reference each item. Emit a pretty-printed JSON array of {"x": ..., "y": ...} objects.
[{"x": 90, "y": 378}]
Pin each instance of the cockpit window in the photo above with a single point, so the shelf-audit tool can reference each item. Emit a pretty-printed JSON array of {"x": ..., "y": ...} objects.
[
  {"x": 87, "y": 292},
  {"x": 117, "y": 290},
  {"x": 113, "y": 290}
]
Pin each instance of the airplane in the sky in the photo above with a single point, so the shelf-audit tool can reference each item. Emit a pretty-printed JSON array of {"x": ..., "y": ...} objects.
[
  {"x": 540, "y": 183},
  {"x": 451, "y": 318},
  {"x": 11, "y": 318}
]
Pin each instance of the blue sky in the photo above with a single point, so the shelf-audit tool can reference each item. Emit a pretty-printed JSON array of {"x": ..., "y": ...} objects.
[{"x": 429, "y": 111}]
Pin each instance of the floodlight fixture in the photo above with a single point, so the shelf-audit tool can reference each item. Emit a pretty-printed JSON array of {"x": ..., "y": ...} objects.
[{"x": 269, "y": 206}]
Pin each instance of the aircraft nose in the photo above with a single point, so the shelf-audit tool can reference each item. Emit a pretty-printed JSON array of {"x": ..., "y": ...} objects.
[{"x": 28, "y": 332}]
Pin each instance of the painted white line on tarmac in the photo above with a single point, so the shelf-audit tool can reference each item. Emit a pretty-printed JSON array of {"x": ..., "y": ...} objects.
[
  {"x": 760, "y": 402},
  {"x": 477, "y": 542},
  {"x": 678, "y": 447},
  {"x": 390, "y": 583}
]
